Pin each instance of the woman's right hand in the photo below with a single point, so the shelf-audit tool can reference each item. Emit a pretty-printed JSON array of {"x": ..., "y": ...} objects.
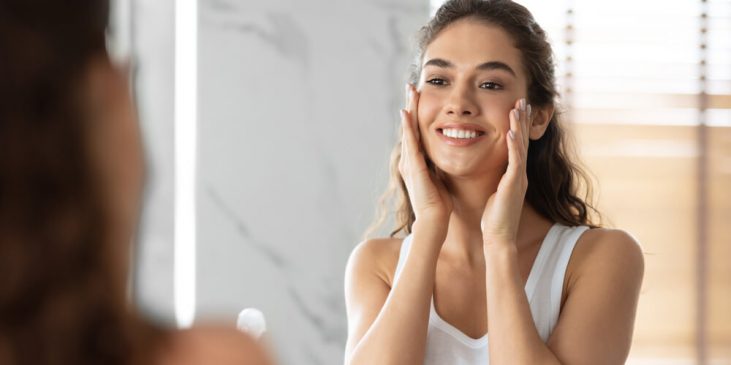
[{"x": 428, "y": 196}]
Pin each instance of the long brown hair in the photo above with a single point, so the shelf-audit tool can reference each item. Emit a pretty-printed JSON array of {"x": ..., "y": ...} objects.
[
  {"x": 554, "y": 176},
  {"x": 61, "y": 297}
]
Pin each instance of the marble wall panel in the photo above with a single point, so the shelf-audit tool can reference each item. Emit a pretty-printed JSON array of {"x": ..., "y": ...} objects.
[{"x": 298, "y": 111}]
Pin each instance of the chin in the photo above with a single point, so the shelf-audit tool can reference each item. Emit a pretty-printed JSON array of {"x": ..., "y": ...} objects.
[
  {"x": 459, "y": 168},
  {"x": 470, "y": 168}
]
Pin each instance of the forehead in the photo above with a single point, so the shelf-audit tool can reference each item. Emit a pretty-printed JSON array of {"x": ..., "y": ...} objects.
[{"x": 468, "y": 43}]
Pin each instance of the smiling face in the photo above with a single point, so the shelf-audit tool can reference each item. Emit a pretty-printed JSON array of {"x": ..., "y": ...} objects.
[{"x": 471, "y": 77}]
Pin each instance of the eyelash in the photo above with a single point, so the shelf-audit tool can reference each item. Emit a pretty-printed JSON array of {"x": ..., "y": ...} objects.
[
  {"x": 495, "y": 86},
  {"x": 436, "y": 81},
  {"x": 441, "y": 82}
]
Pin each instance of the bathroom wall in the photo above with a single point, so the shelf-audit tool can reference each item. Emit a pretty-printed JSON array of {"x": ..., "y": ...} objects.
[{"x": 298, "y": 110}]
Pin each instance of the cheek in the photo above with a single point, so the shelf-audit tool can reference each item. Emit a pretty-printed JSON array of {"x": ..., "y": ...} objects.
[
  {"x": 498, "y": 111},
  {"x": 428, "y": 109}
]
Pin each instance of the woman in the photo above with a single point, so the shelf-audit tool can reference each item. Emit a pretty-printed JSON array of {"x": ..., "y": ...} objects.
[
  {"x": 71, "y": 174},
  {"x": 498, "y": 241}
]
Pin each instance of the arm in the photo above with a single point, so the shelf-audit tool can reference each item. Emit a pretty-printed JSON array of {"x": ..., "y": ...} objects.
[
  {"x": 598, "y": 316},
  {"x": 388, "y": 325},
  {"x": 596, "y": 321},
  {"x": 212, "y": 345},
  {"x": 595, "y": 324}
]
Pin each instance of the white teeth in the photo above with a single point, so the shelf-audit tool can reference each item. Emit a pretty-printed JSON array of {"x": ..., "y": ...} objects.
[{"x": 459, "y": 133}]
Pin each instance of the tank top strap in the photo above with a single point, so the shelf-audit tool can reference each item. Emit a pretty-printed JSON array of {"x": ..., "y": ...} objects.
[
  {"x": 569, "y": 238},
  {"x": 405, "y": 245},
  {"x": 542, "y": 262}
]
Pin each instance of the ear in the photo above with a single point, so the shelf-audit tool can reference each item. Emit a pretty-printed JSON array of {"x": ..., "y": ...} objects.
[{"x": 540, "y": 117}]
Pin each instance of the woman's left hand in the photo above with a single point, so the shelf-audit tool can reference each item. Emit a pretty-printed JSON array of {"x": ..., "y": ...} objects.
[{"x": 502, "y": 212}]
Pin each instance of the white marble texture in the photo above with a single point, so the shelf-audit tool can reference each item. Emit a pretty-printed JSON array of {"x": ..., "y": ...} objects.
[{"x": 298, "y": 109}]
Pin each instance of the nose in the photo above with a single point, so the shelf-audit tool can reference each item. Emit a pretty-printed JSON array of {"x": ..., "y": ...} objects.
[{"x": 460, "y": 102}]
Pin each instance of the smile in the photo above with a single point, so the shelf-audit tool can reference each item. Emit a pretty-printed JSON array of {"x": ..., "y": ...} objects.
[
  {"x": 459, "y": 133},
  {"x": 459, "y": 136}
]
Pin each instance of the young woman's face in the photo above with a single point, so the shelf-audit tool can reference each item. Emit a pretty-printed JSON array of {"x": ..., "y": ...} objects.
[{"x": 471, "y": 77}]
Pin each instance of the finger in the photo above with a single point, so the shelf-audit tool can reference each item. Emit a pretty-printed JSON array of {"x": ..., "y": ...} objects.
[
  {"x": 527, "y": 124},
  {"x": 521, "y": 130},
  {"x": 409, "y": 139},
  {"x": 514, "y": 141},
  {"x": 413, "y": 166},
  {"x": 404, "y": 143},
  {"x": 517, "y": 121},
  {"x": 412, "y": 106}
]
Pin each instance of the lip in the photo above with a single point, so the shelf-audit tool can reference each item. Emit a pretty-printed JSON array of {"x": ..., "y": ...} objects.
[{"x": 460, "y": 142}]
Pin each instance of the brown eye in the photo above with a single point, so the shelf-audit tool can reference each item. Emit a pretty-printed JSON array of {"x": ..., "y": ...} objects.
[
  {"x": 491, "y": 86},
  {"x": 437, "y": 82}
]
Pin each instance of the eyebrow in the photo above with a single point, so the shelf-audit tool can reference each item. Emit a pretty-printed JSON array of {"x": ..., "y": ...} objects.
[{"x": 490, "y": 65}]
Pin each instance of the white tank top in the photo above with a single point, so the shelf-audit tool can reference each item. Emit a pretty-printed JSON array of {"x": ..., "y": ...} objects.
[{"x": 445, "y": 344}]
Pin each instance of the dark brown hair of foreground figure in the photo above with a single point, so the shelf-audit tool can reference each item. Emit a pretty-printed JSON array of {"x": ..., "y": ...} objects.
[{"x": 62, "y": 300}]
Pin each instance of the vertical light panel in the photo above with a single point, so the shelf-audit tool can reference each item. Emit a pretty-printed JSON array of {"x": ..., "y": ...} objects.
[
  {"x": 119, "y": 33},
  {"x": 186, "y": 56}
]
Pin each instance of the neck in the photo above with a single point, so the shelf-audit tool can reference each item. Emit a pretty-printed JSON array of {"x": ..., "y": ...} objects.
[{"x": 464, "y": 235}]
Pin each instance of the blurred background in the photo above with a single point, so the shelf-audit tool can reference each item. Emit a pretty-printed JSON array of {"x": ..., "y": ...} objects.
[{"x": 268, "y": 126}]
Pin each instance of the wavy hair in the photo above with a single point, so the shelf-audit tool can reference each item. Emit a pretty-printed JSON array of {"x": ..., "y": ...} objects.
[
  {"x": 62, "y": 300},
  {"x": 554, "y": 176}
]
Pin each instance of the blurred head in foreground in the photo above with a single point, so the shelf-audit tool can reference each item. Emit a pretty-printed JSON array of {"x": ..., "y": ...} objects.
[{"x": 71, "y": 172}]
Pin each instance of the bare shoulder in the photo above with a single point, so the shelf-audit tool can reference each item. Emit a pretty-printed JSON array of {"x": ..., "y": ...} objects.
[
  {"x": 378, "y": 256},
  {"x": 368, "y": 281},
  {"x": 602, "y": 251},
  {"x": 599, "y": 303},
  {"x": 213, "y": 345}
]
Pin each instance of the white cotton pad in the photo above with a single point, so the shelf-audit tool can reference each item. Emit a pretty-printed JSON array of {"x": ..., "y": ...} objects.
[{"x": 251, "y": 321}]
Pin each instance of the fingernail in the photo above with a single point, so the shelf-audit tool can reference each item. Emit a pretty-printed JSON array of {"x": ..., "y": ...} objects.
[
  {"x": 522, "y": 104},
  {"x": 511, "y": 134},
  {"x": 529, "y": 111},
  {"x": 516, "y": 114}
]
